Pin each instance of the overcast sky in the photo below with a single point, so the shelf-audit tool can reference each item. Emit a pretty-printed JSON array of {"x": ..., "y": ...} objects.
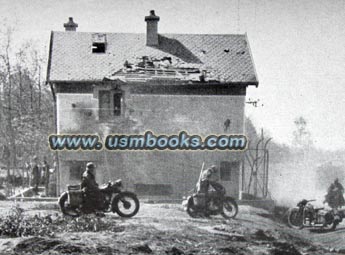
[{"x": 298, "y": 48}]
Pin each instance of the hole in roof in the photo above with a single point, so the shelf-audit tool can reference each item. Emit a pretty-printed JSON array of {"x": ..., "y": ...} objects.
[
  {"x": 203, "y": 51},
  {"x": 98, "y": 47},
  {"x": 227, "y": 50},
  {"x": 240, "y": 52}
]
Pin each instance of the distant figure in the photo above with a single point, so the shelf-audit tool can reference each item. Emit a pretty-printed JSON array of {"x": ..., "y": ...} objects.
[
  {"x": 227, "y": 124},
  {"x": 27, "y": 176},
  {"x": 334, "y": 197},
  {"x": 35, "y": 173},
  {"x": 46, "y": 174}
]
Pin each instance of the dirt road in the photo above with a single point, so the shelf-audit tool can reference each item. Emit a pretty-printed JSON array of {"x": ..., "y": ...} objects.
[{"x": 167, "y": 229}]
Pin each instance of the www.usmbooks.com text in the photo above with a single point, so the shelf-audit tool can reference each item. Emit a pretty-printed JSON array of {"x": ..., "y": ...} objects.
[{"x": 148, "y": 141}]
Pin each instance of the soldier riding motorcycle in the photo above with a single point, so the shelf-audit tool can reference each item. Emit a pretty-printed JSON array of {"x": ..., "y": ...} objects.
[
  {"x": 209, "y": 198},
  {"x": 89, "y": 198},
  {"x": 334, "y": 197}
]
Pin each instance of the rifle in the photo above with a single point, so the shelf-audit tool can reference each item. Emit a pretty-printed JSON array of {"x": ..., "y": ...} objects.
[{"x": 202, "y": 169}]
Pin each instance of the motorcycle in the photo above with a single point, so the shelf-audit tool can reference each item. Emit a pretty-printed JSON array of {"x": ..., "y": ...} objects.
[
  {"x": 306, "y": 215},
  {"x": 114, "y": 199},
  {"x": 199, "y": 205}
]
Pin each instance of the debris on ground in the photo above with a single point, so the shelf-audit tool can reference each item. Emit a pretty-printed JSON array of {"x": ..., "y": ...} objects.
[
  {"x": 2, "y": 196},
  {"x": 142, "y": 248},
  {"x": 17, "y": 224},
  {"x": 157, "y": 229},
  {"x": 40, "y": 245},
  {"x": 263, "y": 235},
  {"x": 230, "y": 250},
  {"x": 284, "y": 248},
  {"x": 174, "y": 251}
]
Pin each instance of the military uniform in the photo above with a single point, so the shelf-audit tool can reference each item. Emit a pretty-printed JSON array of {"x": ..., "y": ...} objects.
[
  {"x": 334, "y": 196},
  {"x": 209, "y": 186},
  {"x": 93, "y": 196},
  {"x": 35, "y": 173}
]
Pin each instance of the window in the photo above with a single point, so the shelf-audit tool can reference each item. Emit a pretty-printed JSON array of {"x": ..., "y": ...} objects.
[
  {"x": 76, "y": 169},
  {"x": 98, "y": 48},
  {"x": 226, "y": 167},
  {"x": 104, "y": 104},
  {"x": 99, "y": 43},
  {"x": 117, "y": 104},
  {"x": 110, "y": 104}
]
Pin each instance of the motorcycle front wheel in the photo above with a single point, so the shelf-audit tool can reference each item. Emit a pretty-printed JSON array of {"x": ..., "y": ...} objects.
[
  {"x": 191, "y": 211},
  {"x": 125, "y": 204},
  {"x": 230, "y": 208},
  {"x": 65, "y": 208},
  {"x": 295, "y": 218}
]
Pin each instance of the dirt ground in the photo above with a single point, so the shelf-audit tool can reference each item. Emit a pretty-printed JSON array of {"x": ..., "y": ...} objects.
[{"x": 167, "y": 229}]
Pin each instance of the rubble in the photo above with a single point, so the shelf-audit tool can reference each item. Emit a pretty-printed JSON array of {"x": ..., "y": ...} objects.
[
  {"x": 284, "y": 248},
  {"x": 17, "y": 224},
  {"x": 158, "y": 229},
  {"x": 144, "y": 248},
  {"x": 168, "y": 68},
  {"x": 2, "y": 196},
  {"x": 263, "y": 235},
  {"x": 231, "y": 250},
  {"x": 174, "y": 251},
  {"x": 42, "y": 245}
]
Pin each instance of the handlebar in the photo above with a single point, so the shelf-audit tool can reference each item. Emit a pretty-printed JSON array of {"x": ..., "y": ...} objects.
[{"x": 305, "y": 201}]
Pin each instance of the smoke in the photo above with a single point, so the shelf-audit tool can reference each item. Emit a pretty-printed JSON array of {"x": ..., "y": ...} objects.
[{"x": 294, "y": 180}]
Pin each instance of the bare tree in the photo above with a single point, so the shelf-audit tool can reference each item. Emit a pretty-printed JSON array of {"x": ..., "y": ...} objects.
[{"x": 26, "y": 107}]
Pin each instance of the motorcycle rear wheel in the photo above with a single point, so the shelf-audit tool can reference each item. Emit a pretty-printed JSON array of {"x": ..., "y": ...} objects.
[
  {"x": 65, "y": 209},
  {"x": 125, "y": 204},
  {"x": 230, "y": 208},
  {"x": 330, "y": 227},
  {"x": 332, "y": 222},
  {"x": 295, "y": 219}
]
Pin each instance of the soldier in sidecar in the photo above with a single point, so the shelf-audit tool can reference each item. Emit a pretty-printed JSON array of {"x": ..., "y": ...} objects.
[{"x": 93, "y": 201}]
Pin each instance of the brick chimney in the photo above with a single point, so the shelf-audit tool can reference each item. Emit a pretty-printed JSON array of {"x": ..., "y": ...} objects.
[
  {"x": 70, "y": 25},
  {"x": 152, "y": 29}
]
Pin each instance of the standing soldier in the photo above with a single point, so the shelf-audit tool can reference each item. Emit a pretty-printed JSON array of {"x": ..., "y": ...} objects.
[
  {"x": 46, "y": 175},
  {"x": 35, "y": 173}
]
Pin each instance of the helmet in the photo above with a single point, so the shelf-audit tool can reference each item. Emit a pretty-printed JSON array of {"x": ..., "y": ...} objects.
[
  {"x": 213, "y": 168},
  {"x": 90, "y": 166}
]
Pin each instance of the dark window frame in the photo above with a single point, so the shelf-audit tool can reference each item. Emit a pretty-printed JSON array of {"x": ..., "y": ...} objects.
[
  {"x": 227, "y": 168},
  {"x": 115, "y": 108},
  {"x": 76, "y": 175},
  {"x": 99, "y": 47}
]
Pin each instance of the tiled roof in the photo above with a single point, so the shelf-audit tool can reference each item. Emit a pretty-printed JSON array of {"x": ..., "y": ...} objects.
[{"x": 71, "y": 57}]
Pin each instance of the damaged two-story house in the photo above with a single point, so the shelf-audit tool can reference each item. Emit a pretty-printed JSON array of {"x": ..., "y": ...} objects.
[{"x": 127, "y": 83}]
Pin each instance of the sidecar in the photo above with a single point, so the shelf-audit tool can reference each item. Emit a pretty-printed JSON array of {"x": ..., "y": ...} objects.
[{"x": 305, "y": 215}]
